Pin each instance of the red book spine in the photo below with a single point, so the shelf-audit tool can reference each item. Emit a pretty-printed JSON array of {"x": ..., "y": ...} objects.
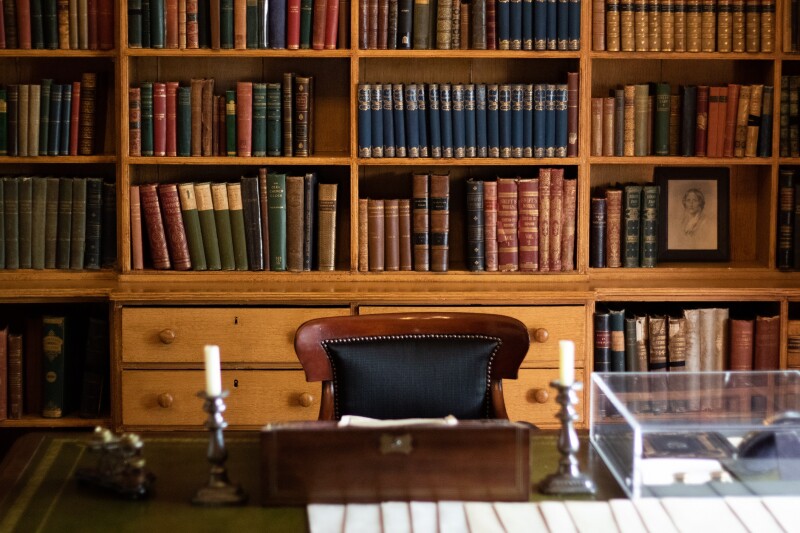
[
  {"x": 172, "y": 118},
  {"x": 507, "y": 242},
  {"x": 573, "y": 84},
  {"x": 171, "y": 14},
  {"x": 173, "y": 222},
  {"x": 159, "y": 119},
  {"x": 93, "y": 28},
  {"x": 528, "y": 210},
  {"x": 134, "y": 122},
  {"x": 491, "y": 35},
  {"x": 155, "y": 226},
  {"x": 192, "y": 36},
  {"x": 713, "y": 120},
  {"x": 319, "y": 24},
  {"x": 2, "y": 25},
  {"x": 701, "y": 138},
  {"x": 293, "y": 24},
  {"x": 24, "y": 24},
  {"x": 75, "y": 115},
  {"x": 105, "y": 24},
  {"x": 730, "y": 119},
  {"x": 331, "y": 24},
  {"x": 244, "y": 118}
]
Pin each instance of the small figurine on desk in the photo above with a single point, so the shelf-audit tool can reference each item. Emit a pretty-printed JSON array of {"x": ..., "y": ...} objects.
[{"x": 120, "y": 464}]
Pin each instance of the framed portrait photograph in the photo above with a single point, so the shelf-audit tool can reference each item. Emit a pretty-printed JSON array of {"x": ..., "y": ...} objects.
[{"x": 693, "y": 213}]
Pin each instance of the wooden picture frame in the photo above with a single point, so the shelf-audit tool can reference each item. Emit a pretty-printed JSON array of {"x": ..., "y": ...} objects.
[{"x": 693, "y": 217}]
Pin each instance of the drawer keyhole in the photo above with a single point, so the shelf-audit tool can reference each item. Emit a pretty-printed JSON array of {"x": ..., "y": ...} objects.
[
  {"x": 235, "y": 383},
  {"x": 236, "y": 321}
]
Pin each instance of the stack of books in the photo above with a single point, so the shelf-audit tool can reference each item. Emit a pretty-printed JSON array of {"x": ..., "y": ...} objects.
[{"x": 62, "y": 25}]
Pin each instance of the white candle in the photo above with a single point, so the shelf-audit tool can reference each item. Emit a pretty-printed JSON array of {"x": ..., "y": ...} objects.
[
  {"x": 566, "y": 362},
  {"x": 213, "y": 376}
]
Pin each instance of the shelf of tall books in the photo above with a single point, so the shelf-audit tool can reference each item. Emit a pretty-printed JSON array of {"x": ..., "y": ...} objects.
[{"x": 219, "y": 172}]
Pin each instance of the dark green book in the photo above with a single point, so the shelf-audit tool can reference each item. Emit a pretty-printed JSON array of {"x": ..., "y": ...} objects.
[
  {"x": 306, "y": 8},
  {"x": 259, "y": 119},
  {"x": 237, "y": 225},
  {"x": 617, "y": 329},
  {"x": 630, "y": 345},
  {"x": 649, "y": 241},
  {"x": 276, "y": 212},
  {"x": 251, "y": 205},
  {"x": 37, "y": 27},
  {"x": 94, "y": 223},
  {"x": 50, "y": 22},
  {"x": 51, "y": 222},
  {"x": 205, "y": 212},
  {"x": 12, "y": 109},
  {"x": 44, "y": 116},
  {"x": 11, "y": 217},
  {"x": 226, "y": 24},
  {"x": 157, "y": 24},
  {"x": 54, "y": 366},
  {"x": 252, "y": 23},
  {"x": 77, "y": 242},
  {"x": 25, "y": 206},
  {"x": 632, "y": 205},
  {"x": 222, "y": 218},
  {"x": 146, "y": 16},
  {"x": 146, "y": 89},
  {"x": 184, "y": 125},
  {"x": 38, "y": 222},
  {"x": 64, "y": 232},
  {"x": 230, "y": 122},
  {"x": 191, "y": 224},
  {"x": 661, "y": 126},
  {"x": 3, "y": 121},
  {"x": 310, "y": 221},
  {"x": 94, "y": 378},
  {"x": 274, "y": 135},
  {"x": 108, "y": 232}
]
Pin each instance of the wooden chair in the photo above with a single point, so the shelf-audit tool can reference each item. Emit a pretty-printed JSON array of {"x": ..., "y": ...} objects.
[{"x": 406, "y": 365}]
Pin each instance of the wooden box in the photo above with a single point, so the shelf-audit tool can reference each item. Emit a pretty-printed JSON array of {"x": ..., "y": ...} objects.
[{"x": 303, "y": 462}]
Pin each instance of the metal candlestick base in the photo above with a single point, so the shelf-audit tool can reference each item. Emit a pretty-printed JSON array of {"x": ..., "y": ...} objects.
[
  {"x": 568, "y": 479},
  {"x": 219, "y": 490}
]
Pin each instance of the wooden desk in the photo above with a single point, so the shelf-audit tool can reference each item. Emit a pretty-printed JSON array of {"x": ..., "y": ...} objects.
[{"x": 38, "y": 491}]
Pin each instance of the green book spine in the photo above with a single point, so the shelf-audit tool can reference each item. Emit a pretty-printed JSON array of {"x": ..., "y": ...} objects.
[
  {"x": 649, "y": 241},
  {"x": 51, "y": 223},
  {"x": 230, "y": 122},
  {"x": 274, "y": 135},
  {"x": 276, "y": 212},
  {"x": 53, "y": 366},
  {"x": 78, "y": 235},
  {"x": 38, "y": 222},
  {"x": 259, "y": 119},
  {"x": 3, "y": 122},
  {"x": 37, "y": 26},
  {"x": 25, "y": 221},
  {"x": 226, "y": 24},
  {"x": 44, "y": 116},
  {"x": 64, "y": 222},
  {"x": 661, "y": 128},
  {"x": 252, "y": 23},
  {"x": 50, "y": 23},
  {"x": 222, "y": 217},
  {"x": 2, "y": 226},
  {"x": 617, "y": 327},
  {"x": 306, "y": 7},
  {"x": 147, "y": 118},
  {"x": 630, "y": 344},
  {"x": 205, "y": 212},
  {"x": 184, "y": 125},
  {"x": 237, "y": 225},
  {"x": 632, "y": 203},
  {"x": 11, "y": 216},
  {"x": 640, "y": 115},
  {"x": 94, "y": 213},
  {"x": 157, "y": 25},
  {"x": 191, "y": 224}
]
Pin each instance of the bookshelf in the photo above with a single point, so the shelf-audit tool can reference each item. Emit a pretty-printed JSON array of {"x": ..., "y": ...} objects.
[{"x": 167, "y": 307}]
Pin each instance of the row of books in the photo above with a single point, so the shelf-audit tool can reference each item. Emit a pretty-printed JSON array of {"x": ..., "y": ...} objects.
[
  {"x": 477, "y": 25},
  {"x": 272, "y": 221},
  {"x": 788, "y": 241},
  {"x": 63, "y": 223},
  {"x": 702, "y": 121},
  {"x": 64, "y": 25},
  {"x": 468, "y": 120},
  {"x": 683, "y": 25},
  {"x": 52, "y": 365},
  {"x": 48, "y": 118},
  {"x": 623, "y": 226},
  {"x": 255, "y": 119},
  {"x": 789, "y": 133},
  {"x": 238, "y": 24}
]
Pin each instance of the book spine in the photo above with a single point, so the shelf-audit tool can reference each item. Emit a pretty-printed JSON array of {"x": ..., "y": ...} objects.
[
  {"x": 738, "y": 25},
  {"x": 631, "y": 230},
  {"x": 54, "y": 366},
  {"x": 421, "y": 25},
  {"x": 475, "y": 251},
  {"x": 208, "y": 226},
  {"x": 754, "y": 120},
  {"x": 507, "y": 225},
  {"x": 490, "y": 224},
  {"x": 263, "y": 202},
  {"x": 78, "y": 234},
  {"x": 597, "y": 233},
  {"x": 552, "y": 26},
  {"x": 602, "y": 342},
  {"x": 661, "y": 140},
  {"x": 619, "y": 122},
  {"x": 574, "y": 25},
  {"x": 445, "y": 119},
  {"x": 376, "y": 235},
  {"x": 556, "y": 214},
  {"x": 276, "y": 208},
  {"x": 688, "y": 120},
  {"x": 155, "y": 226},
  {"x": 613, "y": 228},
  {"x": 405, "y": 24},
  {"x": 309, "y": 220},
  {"x": 504, "y": 120},
  {"x": 191, "y": 224},
  {"x": 173, "y": 226},
  {"x": 421, "y": 222},
  {"x": 146, "y": 105},
  {"x": 274, "y": 120},
  {"x": 573, "y": 95},
  {"x": 702, "y": 122},
  {"x": 387, "y": 120},
  {"x": 765, "y": 128},
  {"x": 598, "y": 25},
  {"x": 528, "y": 220},
  {"x": 516, "y": 120},
  {"x": 493, "y": 121},
  {"x": 137, "y": 253},
  {"x": 515, "y": 25},
  {"x": 44, "y": 116},
  {"x": 752, "y": 25},
  {"x": 412, "y": 120},
  {"x": 75, "y": 112},
  {"x": 241, "y": 243},
  {"x": 391, "y": 224},
  {"x": 616, "y": 344},
  {"x": 259, "y": 135},
  {"x": 326, "y": 214},
  {"x": 406, "y": 253},
  {"x": 159, "y": 119},
  {"x": 503, "y": 24},
  {"x": 94, "y": 199},
  {"x": 365, "y": 136},
  {"x": 767, "y": 343},
  {"x": 607, "y": 135},
  {"x": 742, "y": 334},
  {"x": 527, "y": 122},
  {"x": 422, "y": 119},
  {"x": 244, "y": 118},
  {"x": 184, "y": 122},
  {"x": 319, "y": 10},
  {"x": 222, "y": 219},
  {"x": 649, "y": 238},
  {"x": 25, "y": 213},
  {"x": 11, "y": 222}
]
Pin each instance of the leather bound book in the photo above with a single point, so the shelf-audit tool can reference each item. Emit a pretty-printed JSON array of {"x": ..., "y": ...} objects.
[
  {"x": 222, "y": 219},
  {"x": 528, "y": 223},
  {"x": 251, "y": 24},
  {"x": 611, "y": 26},
  {"x": 478, "y": 24},
  {"x": 208, "y": 225},
  {"x": 640, "y": 25},
  {"x": 192, "y": 36},
  {"x": 661, "y": 127},
  {"x": 629, "y": 131},
  {"x": 24, "y": 119},
  {"x": 693, "y": 18},
  {"x": 364, "y": 116},
  {"x": 714, "y": 104},
  {"x": 274, "y": 120},
  {"x": 37, "y": 223},
  {"x": 309, "y": 221},
  {"x": 786, "y": 219},
  {"x": 640, "y": 102},
  {"x": 108, "y": 230},
  {"x": 550, "y": 122},
  {"x": 475, "y": 251},
  {"x": 676, "y": 342},
  {"x": 75, "y": 114},
  {"x": 688, "y": 119},
  {"x": 183, "y": 126},
  {"x": 742, "y": 338},
  {"x": 701, "y": 128},
  {"x": 77, "y": 239},
  {"x": 230, "y": 124},
  {"x": 493, "y": 120},
  {"x": 15, "y": 389},
  {"x": 157, "y": 238},
  {"x": 406, "y": 249},
  {"x": 383, "y": 24},
  {"x": 616, "y": 341},
  {"x": 444, "y": 20},
  {"x": 503, "y": 24},
  {"x": 51, "y": 223},
  {"x": 562, "y": 131},
  {"x": 738, "y": 25},
  {"x": 422, "y": 119},
  {"x": 435, "y": 143},
  {"x": 626, "y": 26},
  {"x": 159, "y": 119},
  {"x": 24, "y": 24},
  {"x": 742, "y": 116},
  {"x": 708, "y": 25},
  {"x": 391, "y": 29},
  {"x": 244, "y": 118},
  {"x": 277, "y": 23},
  {"x": 653, "y": 26},
  {"x": 259, "y": 132},
  {"x": 731, "y": 111},
  {"x": 264, "y": 211},
  {"x": 412, "y": 119},
  {"x": 597, "y": 233},
  {"x": 568, "y": 224},
  {"x": 421, "y": 221},
  {"x": 372, "y": 24},
  {"x": 556, "y": 214},
  {"x": 376, "y": 235},
  {"x": 287, "y": 112},
  {"x": 793, "y": 344},
  {"x": 326, "y": 215},
  {"x": 767, "y": 343},
  {"x": 191, "y": 224},
  {"x": 602, "y": 342},
  {"x": 607, "y": 135},
  {"x": 134, "y": 24},
  {"x": 240, "y": 24},
  {"x": 666, "y": 8},
  {"x": 752, "y": 25},
  {"x": 137, "y": 255},
  {"x": 405, "y": 24},
  {"x": 613, "y": 228},
  {"x": 490, "y": 224},
  {"x": 196, "y": 114},
  {"x": 573, "y": 83},
  {"x": 216, "y": 119},
  {"x": 222, "y": 24},
  {"x": 768, "y": 26},
  {"x": 783, "y": 106},
  {"x": 765, "y": 129},
  {"x": 491, "y": 25},
  {"x": 679, "y": 25},
  {"x": 173, "y": 226},
  {"x": 363, "y": 235},
  {"x": 507, "y": 225},
  {"x": 458, "y": 128},
  {"x": 724, "y": 25},
  {"x": 515, "y": 25},
  {"x": 754, "y": 120},
  {"x": 303, "y": 110},
  {"x": 674, "y": 124},
  {"x": 276, "y": 210},
  {"x": 391, "y": 235},
  {"x": 319, "y": 8},
  {"x": 25, "y": 214},
  {"x": 54, "y": 346},
  {"x": 34, "y": 112},
  {"x": 421, "y": 25},
  {"x": 171, "y": 105},
  {"x": 632, "y": 203},
  {"x": 4, "y": 372},
  {"x": 241, "y": 242},
  {"x": 11, "y": 222},
  {"x": 649, "y": 238},
  {"x": 439, "y": 205},
  {"x": 207, "y": 116},
  {"x": 171, "y": 20},
  {"x": 182, "y": 24},
  {"x": 94, "y": 198}
]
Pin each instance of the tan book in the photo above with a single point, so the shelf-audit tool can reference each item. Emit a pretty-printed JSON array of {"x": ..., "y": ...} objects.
[
  {"x": 641, "y": 115},
  {"x": 737, "y": 26},
  {"x": 568, "y": 225},
  {"x": 363, "y": 238},
  {"x": 793, "y": 344},
  {"x": 444, "y": 23},
  {"x": 391, "y": 225},
  {"x": 63, "y": 24},
  {"x": 137, "y": 255},
  {"x": 708, "y": 26},
  {"x": 740, "y": 140},
  {"x": 768, "y": 26},
  {"x": 752, "y": 26},
  {"x": 693, "y": 39},
  {"x": 326, "y": 238},
  {"x": 73, "y": 24},
  {"x": 667, "y": 25},
  {"x": 692, "y": 341},
  {"x": 597, "y": 127},
  {"x": 658, "y": 362},
  {"x": 240, "y": 26},
  {"x": 724, "y": 25},
  {"x": 376, "y": 235},
  {"x": 612, "y": 26},
  {"x": 626, "y": 26},
  {"x": 556, "y": 214},
  {"x": 608, "y": 126},
  {"x": 628, "y": 144},
  {"x": 545, "y": 180},
  {"x": 490, "y": 224},
  {"x": 679, "y": 25},
  {"x": 654, "y": 26},
  {"x": 295, "y": 215},
  {"x": 640, "y": 25},
  {"x": 406, "y": 255},
  {"x": 753, "y": 120},
  {"x": 613, "y": 228},
  {"x": 440, "y": 220},
  {"x": 182, "y": 24}
]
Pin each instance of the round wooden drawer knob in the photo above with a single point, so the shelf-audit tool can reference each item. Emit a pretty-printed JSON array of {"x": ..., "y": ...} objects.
[
  {"x": 541, "y": 395},
  {"x": 165, "y": 400},
  {"x": 167, "y": 336},
  {"x": 306, "y": 399},
  {"x": 541, "y": 335}
]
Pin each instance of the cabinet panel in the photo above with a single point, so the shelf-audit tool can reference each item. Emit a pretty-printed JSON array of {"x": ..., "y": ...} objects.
[
  {"x": 169, "y": 397},
  {"x": 546, "y": 326},
  {"x": 178, "y": 334},
  {"x": 532, "y": 399}
]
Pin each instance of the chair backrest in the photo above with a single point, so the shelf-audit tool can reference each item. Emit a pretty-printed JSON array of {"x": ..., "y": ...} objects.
[{"x": 407, "y": 365}]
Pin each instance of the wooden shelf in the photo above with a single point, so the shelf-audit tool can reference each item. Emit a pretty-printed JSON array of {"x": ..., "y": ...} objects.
[
  {"x": 467, "y": 161},
  {"x": 319, "y": 159},
  {"x": 207, "y": 52},
  {"x": 58, "y": 159},
  {"x": 30, "y": 421},
  {"x": 32, "y": 54},
  {"x": 470, "y": 54},
  {"x": 681, "y": 161},
  {"x": 703, "y": 56}
]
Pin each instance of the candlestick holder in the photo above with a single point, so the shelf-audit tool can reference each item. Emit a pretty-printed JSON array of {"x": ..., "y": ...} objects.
[
  {"x": 568, "y": 479},
  {"x": 219, "y": 491}
]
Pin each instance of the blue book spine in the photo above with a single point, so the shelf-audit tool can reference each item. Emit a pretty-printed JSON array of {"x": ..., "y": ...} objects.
[
  {"x": 364, "y": 121},
  {"x": 552, "y": 32},
  {"x": 433, "y": 115},
  {"x": 376, "y": 119},
  {"x": 504, "y": 118},
  {"x": 481, "y": 141},
  {"x": 53, "y": 139},
  {"x": 550, "y": 121},
  {"x": 388, "y": 121},
  {"x": 561, "y": 120},
  {"x": 399, "y": 120},
  {"x": 412, "y": 120},
  {"x": 276, "y": 16},
  {"x": 503, "y": 22},
  {"x": 493, "y": 120},
  {"x": 539, "y": 25},
  {"x": 574, "y": 25},
  {"x": 515, "y": 18},
  {"x": 446, "y": 119},
  {"x": 422, "y": 112},
  {"x": 527, "y": 24},
  {"x": 469, "y": 120},
  {"x": 538, "y": 121},
  {"x": 517, "y": 120},
  {"x": 459, "y": 129},
  {"x": 562, "y": 26},
  {"x": 66, "y": 115},
  {"x": 527, "y": 121}
]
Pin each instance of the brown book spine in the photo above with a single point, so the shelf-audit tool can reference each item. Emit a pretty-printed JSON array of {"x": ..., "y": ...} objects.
[
  {"x": 444, "y": 23},
  {"x": 327, "y": 226},
  {"x": 363, "y": 235},
  {"x": 490, "y": 224},
  {"x": 287, "y": 112},
  {"x": 742, "y": 337},
  {"x": 440, "y": 221},
  {"x": 171, "y": 16},
  {"x": 743, "y": 113},
  {"x": 263, "y": 204},
  {"x": 713, "y": 120},
  {"x": 155, "y": 226},
  {"x": 767, "y": 26},
  {"x": 92, "y": 24},
  {"x": 491, "y": 28},
  {"x": 172, "y": 117},
  {"x": 455, "y": 28},
  {"x": 294, "y": 223},
  {"x": 383, "y": 24},
  {"x": 674, "y": 124},
  {"x": 137, "y": 253},
  {"x": 679, "y": 6},
  {"x": 722, "y": 115},
  {"x": 608, "y": 126},
  {"x": 640, "y": 25},
  {"x": 465, "y": 36},
  {"x": 192, "y": 35},
  {"x": 568, "y": 225},
  {"x": 737, "y": 25},
  {"x": 15, "y": 376},
  {"x": 392, "y": 234},
  {"x": 752, "y": 35},
  {"x": 545, "y": 178},
  {"x": 731, "y": 112},
  {"x": 159, "y": 119},
  {"x": 240, "y": 24},
  {"x": 363, "y": 23},
  {"x": 667, "y": 25},
  {"x": 793, "y": 344},
  {"x": 216, "y": 119},
  {"x": 573, "y": 83},
  {"x": 196, "y": 99},
  {"x": 75, "y": 118},
  {"x": 134, "y": 122},
  {"x": 63, "y": 24},
  {"x": 767, "y": 343},
  {"x": 507, "y": 217},
  {"x": 629, "y": 131},
  {"x": 302, "y": 115},
  {"x": 613, "y": 228},
  {"x": 174, "y": 229},
  {"x": 701, "y": 132},
  {"x": 372, "y": 24},
  {"x": 244, "y": 118},
  {"x": 556, "y": 214},
  {"x": 612, "y": 25},
  {"x": 421, "y": 221},
  {"x": 406, "y": 253},
  {"x": 708, "y": 26},
  {"x": 693, "y": 17},
  {"x": 653, "y": 26},
  {"x": 320, "y": 8},
  {"x": 24, "y": 24},
  {"x": 724, "y": 26},
  {"x": 207, "y": 115},
  {"x": 597, "y": 127},
  {"x": 528, "y": 220},
  {"x": 626, "y": 26},
  {"x": 376, "y": 235},
  {"x": 182, "y": 24},
  {"x": 753, "y": 120},
  {"x": 4, "y": 373},
  {"x": 598, "y": 25}
]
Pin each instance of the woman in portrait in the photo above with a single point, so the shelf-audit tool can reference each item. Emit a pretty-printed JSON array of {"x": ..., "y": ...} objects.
[{"x": 694, "y": 221}]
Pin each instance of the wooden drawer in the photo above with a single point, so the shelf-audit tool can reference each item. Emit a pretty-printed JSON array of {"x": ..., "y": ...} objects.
[
  {"x": 169, "y": 397},
  {"x": 531, "y": 398},
  {"x": 178, "y": 334},
  {"x": 546, "y": 324}
]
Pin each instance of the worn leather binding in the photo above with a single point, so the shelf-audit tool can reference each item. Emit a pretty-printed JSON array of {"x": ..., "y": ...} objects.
[
  {"x": 608, "y": 125},
  {"x": 192, "y": 30},
  {"x": 287, "y": 91},
  {"x": 731, "y": 112},
  {"x": 240, "y": 23},
  {"x": 507, "y": 217},
  {"x": 597, "y": 127},
  {"x": 319, "y": 8},
  {"x": 653, "y": 26},
  {"x": 742, "y": 115},
  {"x": 309, "y": 221},
  {"x": 171, "y": 23},
  {"x": 490, "y": 224},
  {"x": 742, "y": 337},
  {"x": 94, "y": 200},
  {"x": 387, "y": 120},
  {"x": 752, "y": 25},
  {"x": 383, "y": 25},
  {"x": 421, "y": 221},
  {"x": 649, "y": 242},
  {"x": 134, "y": 121},
  {"x": 516, "y": 117},
  {"x": 613, "y": 228},
  {"x": 363, "y": 23},
  {"x": 207, "y": 116},
  {"x": 75, "y": 117},
  {"x": 159, "y": 119},
  {"x": 302, "y": 115},
  {"x": 412, "y": 120},
  {"x": 545, "y": 214},
  {"x": 455, "y": 25},
  {"x": 597, "y": 233},
  {"x": 475, "y": 251},
  {"x": 679, "y": 25},
  {"x": 738, "y": 25},
  {"x": 196, "y": 99},
  {"x": 504, "y": 119},
  {"x": 394, "y": 13},
  {"x": 444, "y": 24},
  {"x": 171, "y": 109},
  {"x": 767, "y": 343},
  {"x": 491, "y": 24},
  {"x": 556, "y": 217},
  {"x": 244, "y": 118},
  {"x": 259, "y": 146},
  {"x": 137, "y": 253},
  {"x": 391, "y": 234},
  {"x": 667, "y": 9},
  {"x": 376, "y": 235},
  {"x": 363, "y": 235},
  {"x": 174, "y": 229},
  {"x": 754, "y": 120},
  {"x": 528, "y": 213},
  {"x": 406, "y": 254},
  {"x": 155, "y": 226},
  {"x": 459, "y": 128},
  {"x": 253, "y": 227},
  {"x": 440, "y": 221},
  {"x": 326, "y": 241},
  {"x": 372, "y": 24},
  {"x": 276, "y": 210},
  {"x": 570, "y": 198}
]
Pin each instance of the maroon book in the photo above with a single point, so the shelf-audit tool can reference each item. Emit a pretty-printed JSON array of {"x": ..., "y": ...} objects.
[
  {"x": 24, "y": 24},
  {"x": 156, "y": 237},
  {"x": 2, "y": 25},
  {"x": 74, "y": 118},
  {"x": 767, "y": 344},
  {"x": 173, "y": 222},
  {"x": 319, "y": 24},
  {"x": 93, "y": 21},
  {"x": 701, "y": 135},
  {"x": 528, "y": 210},
  {"x": 105, "y": 24},
  {"x": 192, "y": 37},
  {"x": 507, "y": 241},
  {"x": 244, "y": 118},
  {"x": 292, "y": 24},
  {"x": 159, "y": 119},
  {"x": 491, "y": 34},
  {"x": 573, "y": 84},
  {"x": 134, "y": 121},
  {"x": 172, "y": 118},
  {"x": 331, "y": 24}
]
